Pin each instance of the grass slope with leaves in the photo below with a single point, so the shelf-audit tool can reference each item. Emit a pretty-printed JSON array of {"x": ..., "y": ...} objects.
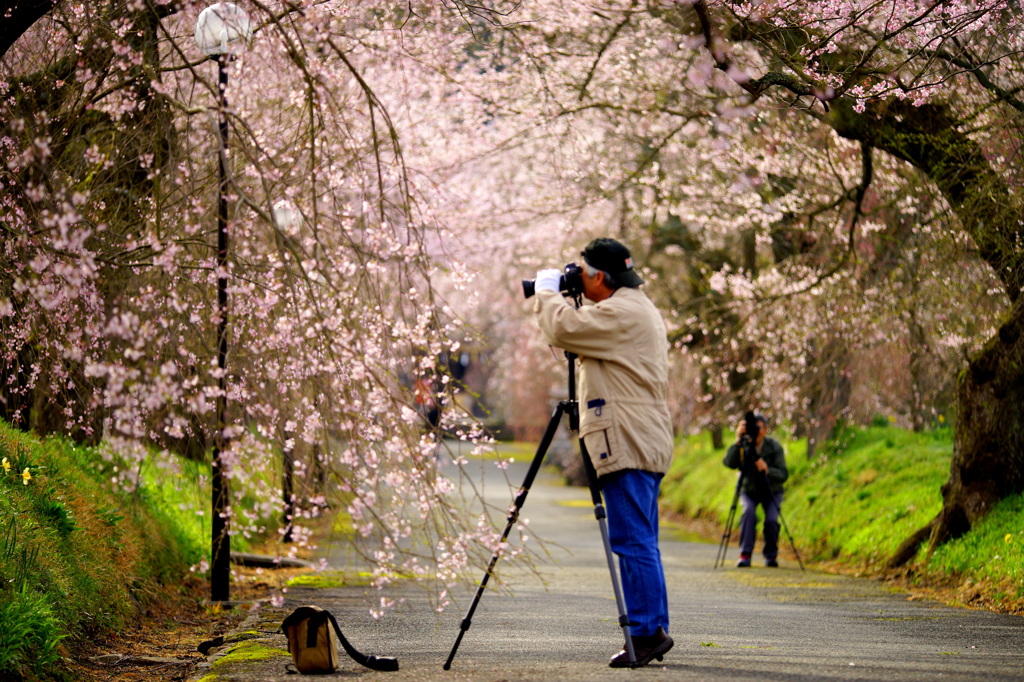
[
  {"x": 858, "y": 499},
  {"x": 88, "y": 567}
]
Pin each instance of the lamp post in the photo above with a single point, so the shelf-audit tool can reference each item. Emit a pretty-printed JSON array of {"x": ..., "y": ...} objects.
[
  {"x": 287, "y": 219},
  {"x": 222, "y": 31}
]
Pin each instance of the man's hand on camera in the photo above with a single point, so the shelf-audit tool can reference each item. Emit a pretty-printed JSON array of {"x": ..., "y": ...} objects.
[
  {"x": 740, "y": 431},
  {"x": 761, "y": 465},
  {"x": 547, "y": 280}
]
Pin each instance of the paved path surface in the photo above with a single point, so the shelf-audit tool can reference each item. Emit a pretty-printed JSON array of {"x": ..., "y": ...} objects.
[{"x": 728, "y": 624}]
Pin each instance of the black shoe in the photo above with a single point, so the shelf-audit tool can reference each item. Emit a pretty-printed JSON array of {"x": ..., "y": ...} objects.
[
  {"x": 771, "y": 563},
  {"x": 646, "y": 649},
  {"x": 744, "y": 562}
]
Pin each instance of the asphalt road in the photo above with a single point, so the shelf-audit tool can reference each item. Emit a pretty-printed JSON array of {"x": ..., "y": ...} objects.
[{"x": 728, "y": 623}]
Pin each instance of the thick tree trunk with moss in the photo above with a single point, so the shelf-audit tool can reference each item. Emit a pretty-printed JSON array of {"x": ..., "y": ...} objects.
[
  {"x": 988, "y": 453},
  {"x": 988, "y": 459}
]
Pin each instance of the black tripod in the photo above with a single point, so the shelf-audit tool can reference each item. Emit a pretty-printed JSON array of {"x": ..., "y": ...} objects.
[
  {"x": 570, "y": 407},
  {"x": 749, "y": 456}
]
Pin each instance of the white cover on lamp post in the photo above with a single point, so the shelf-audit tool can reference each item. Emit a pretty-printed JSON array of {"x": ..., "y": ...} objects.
[
  {"x": 223, "y": 28},
  {"x": 287, "y": 218}
]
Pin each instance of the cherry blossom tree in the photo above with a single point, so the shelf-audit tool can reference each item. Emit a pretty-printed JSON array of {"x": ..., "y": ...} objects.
[
  {"x": 107, "y": 304},
  {"x": 814, "y": 187},
  {"x": 929, "y": 84}
]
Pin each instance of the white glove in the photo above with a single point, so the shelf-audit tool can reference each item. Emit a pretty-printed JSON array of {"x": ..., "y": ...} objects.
[{"x": 548, "y": 280}]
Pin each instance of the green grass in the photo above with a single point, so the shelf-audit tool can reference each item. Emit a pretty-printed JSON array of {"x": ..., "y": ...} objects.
[
  {"x": 57, "y": 529},
  {"x": 248, "y": 651},
  {"x": 178, "y": 491},
  {"x": 991, "y": 554},
  {"x": 864, "y": 493},
  {"x": 176, "y": 496},
  {"x": 30, "y": 634},
  {"x": 868, "y": 492},
  {"x": 78, "y": 555}
]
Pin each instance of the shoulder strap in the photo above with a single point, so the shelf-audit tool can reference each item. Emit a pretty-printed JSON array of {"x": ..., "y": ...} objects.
[
  {"x": 313, "y": 628},
  {"x": 383, "y": 663}
]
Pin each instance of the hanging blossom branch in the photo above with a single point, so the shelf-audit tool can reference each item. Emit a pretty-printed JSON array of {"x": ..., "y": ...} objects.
[{"x": 317, "y": 372}]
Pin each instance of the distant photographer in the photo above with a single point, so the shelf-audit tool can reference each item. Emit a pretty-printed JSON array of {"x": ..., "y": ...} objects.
[
  {"x": 625, "y": 423},
  {"x": 762, "y": 463}
]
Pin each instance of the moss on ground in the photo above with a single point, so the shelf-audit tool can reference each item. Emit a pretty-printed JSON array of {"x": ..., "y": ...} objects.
[
  {"x": 248, "y": 652},
  {"x": 329, "y": 579}
]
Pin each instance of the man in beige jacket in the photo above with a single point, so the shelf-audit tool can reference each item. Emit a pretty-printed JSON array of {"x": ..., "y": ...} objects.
[{"x": 624, "y": 420}]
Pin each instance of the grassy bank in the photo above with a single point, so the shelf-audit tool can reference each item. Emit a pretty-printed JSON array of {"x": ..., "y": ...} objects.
[
  {"x": 79, "y": 555},
  {"x": 859, "y": 498}
]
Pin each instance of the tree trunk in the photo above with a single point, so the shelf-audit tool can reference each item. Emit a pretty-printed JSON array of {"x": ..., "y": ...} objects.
[
  {"x": 826, "y": 386},
  {"x": 717, "y": 437},
  {"x": 988, "y": 464}
]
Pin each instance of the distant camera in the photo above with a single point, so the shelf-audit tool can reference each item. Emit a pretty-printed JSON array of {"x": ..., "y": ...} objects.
[
  {"x": 753, "y": 426},
  {"x": 569, "y": 284}
]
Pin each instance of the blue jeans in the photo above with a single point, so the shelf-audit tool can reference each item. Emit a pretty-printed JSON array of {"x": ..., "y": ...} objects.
[
  {"x": 631, "y": 500},
  {"x": 748, "y": 525}
]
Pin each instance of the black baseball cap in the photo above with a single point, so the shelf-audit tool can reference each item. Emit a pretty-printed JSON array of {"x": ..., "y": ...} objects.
[{"x": 612, "y": 257}]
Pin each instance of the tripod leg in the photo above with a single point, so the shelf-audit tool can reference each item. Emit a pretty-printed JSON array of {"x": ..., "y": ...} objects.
[
  {"x": 723, "y": 546},
  {"x": 602, "y": 521},
  {"x": 791, "y": 543},
  {"x": 785, "y": 527},
  {"x": 513, "y": 516}
]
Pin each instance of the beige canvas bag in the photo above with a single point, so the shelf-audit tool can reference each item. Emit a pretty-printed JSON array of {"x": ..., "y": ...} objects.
[{"x": 311, "y": 635}]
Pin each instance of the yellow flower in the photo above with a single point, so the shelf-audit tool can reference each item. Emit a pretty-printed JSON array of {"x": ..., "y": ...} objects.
[
  {"x": 1008, "y": 538},
  {"x": 26, "y": 476},
  {"x": 941, "y": 419},
  {"x": 6, "y": 465}
]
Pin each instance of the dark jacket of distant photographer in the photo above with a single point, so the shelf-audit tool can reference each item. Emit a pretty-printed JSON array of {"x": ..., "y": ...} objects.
[
  {"x": 753, "y": 483},
  {"x": 623, "y": 380}
]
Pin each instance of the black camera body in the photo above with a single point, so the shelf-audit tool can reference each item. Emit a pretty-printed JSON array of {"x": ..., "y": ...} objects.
[
  {"x": 569, "y": 284},
  {"x": 748, "y": 442},
  {"x": 753, "y": 428}
]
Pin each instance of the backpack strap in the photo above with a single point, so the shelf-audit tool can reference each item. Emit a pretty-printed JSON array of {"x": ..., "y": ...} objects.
[
  {"x": 313, "y": 628},
  {"x": 381, "y": 663}
]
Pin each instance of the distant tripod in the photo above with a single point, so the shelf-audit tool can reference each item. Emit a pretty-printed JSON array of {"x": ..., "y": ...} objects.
[
  {"x": 570, "y": 407},
  {"x": 749, "y": 456}
]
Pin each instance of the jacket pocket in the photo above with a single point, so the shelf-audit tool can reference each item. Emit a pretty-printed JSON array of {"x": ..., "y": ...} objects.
[{"x": 601, "y": 439}]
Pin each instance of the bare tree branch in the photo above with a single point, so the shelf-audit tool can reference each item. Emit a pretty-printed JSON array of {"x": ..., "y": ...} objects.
[{"x": 600, "y": 53}]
